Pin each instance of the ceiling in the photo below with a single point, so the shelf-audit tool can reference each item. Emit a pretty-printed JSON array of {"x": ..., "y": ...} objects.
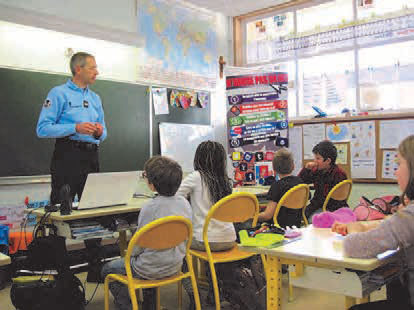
[{"x": 235, "y": 8}]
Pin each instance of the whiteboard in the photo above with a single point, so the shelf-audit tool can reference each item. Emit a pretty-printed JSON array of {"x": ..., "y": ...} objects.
[{"x": 180, "y": 141}]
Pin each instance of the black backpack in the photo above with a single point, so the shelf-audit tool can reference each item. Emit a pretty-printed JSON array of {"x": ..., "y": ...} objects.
[
  {"x": 243, "y": 283},
  {"x": 64, "y": 292}
]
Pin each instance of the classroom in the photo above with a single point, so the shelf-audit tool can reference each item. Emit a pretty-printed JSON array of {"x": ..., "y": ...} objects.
[{"x": 256, "y": 77}]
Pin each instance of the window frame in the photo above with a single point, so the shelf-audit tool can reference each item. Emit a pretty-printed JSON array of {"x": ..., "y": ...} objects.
[{"x": 240, "y": 44}]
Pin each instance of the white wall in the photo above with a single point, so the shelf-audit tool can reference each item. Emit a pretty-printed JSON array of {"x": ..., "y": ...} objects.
[
  {"x": 33, "y": 48},
  {"x": 120, "y": 14}
]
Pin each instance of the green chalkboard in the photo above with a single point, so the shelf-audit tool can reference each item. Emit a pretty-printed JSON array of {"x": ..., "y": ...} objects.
[
  {"x": 192, "y": 115},
  {"x": 22, "y": 94}
]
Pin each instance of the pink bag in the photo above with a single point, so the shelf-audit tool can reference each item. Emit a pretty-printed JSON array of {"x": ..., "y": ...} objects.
[
  {"x": 376, "y": 209},
  {"x": 326, "y": 219}
]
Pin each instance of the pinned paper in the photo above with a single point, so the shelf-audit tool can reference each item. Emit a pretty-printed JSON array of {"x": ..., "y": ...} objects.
[
  {"x": 389, "y": 164},
  {"x": 160, "y": 101},
  {"x": 203, "y": 99},
  {"x": 342, "y": 150}
]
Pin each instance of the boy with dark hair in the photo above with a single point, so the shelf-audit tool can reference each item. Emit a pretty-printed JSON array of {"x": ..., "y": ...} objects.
[
  {"x": 282, "y": 165},
  {"x": 324, "y": 174},
  {"x": 163, "y": 175}
]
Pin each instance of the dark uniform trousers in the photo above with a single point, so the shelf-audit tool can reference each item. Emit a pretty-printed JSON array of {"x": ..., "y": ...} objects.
[{"x": 72, "y": 161}]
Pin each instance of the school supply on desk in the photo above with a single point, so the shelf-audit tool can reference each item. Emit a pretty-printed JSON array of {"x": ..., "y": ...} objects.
[
  {"x": 108, "y": 189},
  {"x": 326, "y": 219},
  {"x": 376, "y": 209},
  {"x": 261, "y": 240},
  {"x": 292, "y": 232}
]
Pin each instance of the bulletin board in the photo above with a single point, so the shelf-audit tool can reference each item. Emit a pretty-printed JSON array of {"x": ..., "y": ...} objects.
[{"x": 367, "y": 145}]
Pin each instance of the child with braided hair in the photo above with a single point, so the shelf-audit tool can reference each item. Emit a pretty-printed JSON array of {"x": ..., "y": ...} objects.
[{"x": 204, "y": 187}]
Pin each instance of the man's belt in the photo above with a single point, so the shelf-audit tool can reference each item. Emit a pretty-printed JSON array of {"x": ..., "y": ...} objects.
[{"x": 87, "y": 146}]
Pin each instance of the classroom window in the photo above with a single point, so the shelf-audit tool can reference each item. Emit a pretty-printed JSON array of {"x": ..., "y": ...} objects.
[
  {"x": 325, "y": 45},
  {"x": 262, "y": 34},
  {"x": 386, "y": 76},
  {"x": 327, "y": 82},
  {"x": 371, "y": 9},
  {"x": 324, "y": 16},
  {"x": 290, "y": 68}
]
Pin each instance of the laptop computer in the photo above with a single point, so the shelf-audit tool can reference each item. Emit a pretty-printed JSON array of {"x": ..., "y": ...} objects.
[{"x": 108, "y": 189}]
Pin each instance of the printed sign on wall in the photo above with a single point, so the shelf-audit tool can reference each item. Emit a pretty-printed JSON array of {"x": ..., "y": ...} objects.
[{"x": 257, "y": 124}]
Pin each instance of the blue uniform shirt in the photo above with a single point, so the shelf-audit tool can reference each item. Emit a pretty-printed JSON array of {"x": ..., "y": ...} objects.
[{"x": 65, "y": 106}]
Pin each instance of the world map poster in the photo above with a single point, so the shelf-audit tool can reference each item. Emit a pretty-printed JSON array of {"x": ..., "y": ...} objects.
[{"x": 180, "y": 44}]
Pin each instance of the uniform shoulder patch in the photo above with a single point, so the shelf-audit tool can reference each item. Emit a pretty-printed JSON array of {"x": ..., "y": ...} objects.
[{"x": 47, "y": 103}]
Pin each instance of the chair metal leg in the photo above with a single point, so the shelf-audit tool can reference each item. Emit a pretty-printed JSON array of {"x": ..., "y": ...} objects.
[
  {"x": 133, "y": 297},
  {"x": 194, "y": 283},
  {"x": 215, "y": 286},
  {"x": 106, "y": 293}
]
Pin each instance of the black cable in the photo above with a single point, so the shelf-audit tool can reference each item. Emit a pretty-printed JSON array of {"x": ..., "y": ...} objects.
[{"x": 93, "y": 294}]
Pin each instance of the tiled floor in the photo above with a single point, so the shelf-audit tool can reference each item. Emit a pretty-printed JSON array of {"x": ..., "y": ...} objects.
[{"x": 304, "y": 299}]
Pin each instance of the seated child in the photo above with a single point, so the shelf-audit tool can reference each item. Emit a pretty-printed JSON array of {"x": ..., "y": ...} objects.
[
  {"x": 367, "y": 241},
  {"x": 282, "y": 165},
  {"x": 164, "y": 176},
  {"x": 324, "y": 174},
  {"x": 205, "y": 186}
]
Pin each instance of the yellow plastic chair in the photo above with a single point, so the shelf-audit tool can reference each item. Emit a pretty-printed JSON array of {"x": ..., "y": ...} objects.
[
  {"x": 164, "y": 233},
  {"x": 295, "y": 198},
  {"x": 341, "y": 191},
  {"x": 236, "y": 208}
]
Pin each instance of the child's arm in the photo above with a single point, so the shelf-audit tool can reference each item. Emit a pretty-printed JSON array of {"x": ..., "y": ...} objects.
[
  {"x": 187, "y": 185},
  {"x": 307, "y": 174},
  {"x": 355, "y": 227},
  {"x": 267, "y": 214}
]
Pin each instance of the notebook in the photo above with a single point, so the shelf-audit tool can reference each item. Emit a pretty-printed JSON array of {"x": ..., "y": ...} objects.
[{"x": 108, "y": 189}]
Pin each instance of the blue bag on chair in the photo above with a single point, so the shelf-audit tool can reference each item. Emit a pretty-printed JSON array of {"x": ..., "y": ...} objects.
[{"x": 4, "y": 239}]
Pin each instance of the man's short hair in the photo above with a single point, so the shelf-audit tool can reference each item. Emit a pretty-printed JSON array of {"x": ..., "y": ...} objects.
[
  {"x": 327, "y": 150},
  {"x": 78, "y": 59},
  {"x": 164, "y": 173},
  {"x": 283, "y": 162}
]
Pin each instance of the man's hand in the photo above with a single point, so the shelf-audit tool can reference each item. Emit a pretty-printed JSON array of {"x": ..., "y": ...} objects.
[
  {"x": 310, "y": 165},
  {"x": 98, "y": 131},
  {"x": 86, "y": 128}
]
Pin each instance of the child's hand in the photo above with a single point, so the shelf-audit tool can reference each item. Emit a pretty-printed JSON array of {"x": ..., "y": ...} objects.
[
  {"x": 310, "y": 165},
  {"x": 340, "y": 228}
]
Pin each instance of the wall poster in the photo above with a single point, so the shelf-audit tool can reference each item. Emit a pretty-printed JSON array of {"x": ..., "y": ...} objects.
[{"x": 257, "y": 123}]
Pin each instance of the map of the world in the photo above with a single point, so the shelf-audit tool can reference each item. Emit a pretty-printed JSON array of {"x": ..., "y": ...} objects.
[{"x": 179, "y": 40}]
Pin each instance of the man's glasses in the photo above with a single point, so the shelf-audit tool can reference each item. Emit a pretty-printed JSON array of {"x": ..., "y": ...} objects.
[{"x": 144, "y": 175}]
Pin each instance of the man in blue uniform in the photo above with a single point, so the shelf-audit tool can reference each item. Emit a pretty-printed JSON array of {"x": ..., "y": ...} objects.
[{"x": 73, "y": 114}]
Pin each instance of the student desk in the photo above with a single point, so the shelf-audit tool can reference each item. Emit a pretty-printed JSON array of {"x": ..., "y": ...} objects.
[
  {"x": 4, "y": 259},
  {"x": 134, "y": 206},
  {"x": 320, "y": 264},
  {"x": 256, "y": 190}
]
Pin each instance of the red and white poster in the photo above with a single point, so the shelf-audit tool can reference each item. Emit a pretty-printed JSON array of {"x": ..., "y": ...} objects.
[{"x": 257, "y": 124}]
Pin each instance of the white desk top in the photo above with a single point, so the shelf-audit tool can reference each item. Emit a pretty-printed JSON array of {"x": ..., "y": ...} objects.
[
  {"x": 319, "y": 246},
  {"x": 252, "y": 189},
  {"x": 134, "y": 205},
  {"x": 4, "y": 259}
]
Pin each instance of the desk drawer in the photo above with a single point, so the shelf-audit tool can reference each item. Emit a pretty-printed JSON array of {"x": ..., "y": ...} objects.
[{"x": 339, "y": 281}]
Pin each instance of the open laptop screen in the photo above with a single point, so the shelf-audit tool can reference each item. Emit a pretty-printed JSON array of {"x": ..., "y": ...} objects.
[{"x": 108, "y": 189}]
